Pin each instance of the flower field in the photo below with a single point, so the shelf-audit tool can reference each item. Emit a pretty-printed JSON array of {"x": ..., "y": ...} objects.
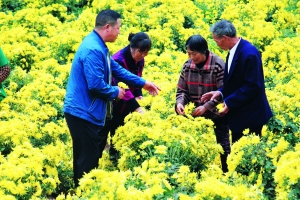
[{"x": 163, "y": 156}]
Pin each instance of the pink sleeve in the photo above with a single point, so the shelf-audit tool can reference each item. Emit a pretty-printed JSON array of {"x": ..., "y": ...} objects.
[{"x": 128, "y": 95}]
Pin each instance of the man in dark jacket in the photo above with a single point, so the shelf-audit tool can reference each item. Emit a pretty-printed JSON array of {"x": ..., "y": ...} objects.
[{"x": 243, "y": 92}]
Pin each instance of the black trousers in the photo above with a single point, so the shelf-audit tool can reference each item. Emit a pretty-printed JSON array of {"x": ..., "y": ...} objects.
[
  {"x": 222, "y": 136},
  {"x": 120, "y": 111},
  {"x": 88, "y": 144},
  {"x": 237, "y": 135}
]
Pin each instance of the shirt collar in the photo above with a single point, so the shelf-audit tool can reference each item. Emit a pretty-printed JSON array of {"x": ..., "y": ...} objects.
[{"x": 233, "y": 49}]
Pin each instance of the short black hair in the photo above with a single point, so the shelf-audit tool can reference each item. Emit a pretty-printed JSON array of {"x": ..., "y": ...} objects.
[
  {"x": 140, "y": 41},
  {"x": 107, "y": 17},
  {"x": 197, "y": 43}
]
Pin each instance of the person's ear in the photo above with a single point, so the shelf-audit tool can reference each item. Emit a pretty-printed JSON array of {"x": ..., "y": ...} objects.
[{"x": 107, "y": 26}]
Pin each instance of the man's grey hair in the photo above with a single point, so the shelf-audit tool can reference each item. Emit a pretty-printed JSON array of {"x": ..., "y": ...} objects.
[{"x": 223, "y": 27}]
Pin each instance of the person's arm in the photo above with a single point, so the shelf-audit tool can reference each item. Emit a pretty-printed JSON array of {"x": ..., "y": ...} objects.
[
  {"x": 212, "y": 103},
  {"x": 94, "y": 70},
  {"x": 182, "y": 93},
  {"x": 132, "y": 104},
  {"x": 220, "y": 74},
  {"x": 4, "y": 72},
  {"x": 137, "y": 92},
  {"x": 131, "y": 79},
  {"x": 212, "y": 95},
  {"x": 132, "y": 92},
  {"x": 252, "y": 83},
  {"x": 4, "y": 67},
  {"x": 125, "y": 76}
]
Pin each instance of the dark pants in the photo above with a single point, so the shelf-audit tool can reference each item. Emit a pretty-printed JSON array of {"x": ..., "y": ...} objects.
[
  {"x": 88, "y": 144},
  {"x": 222, "y": 135},
  {"x": 120, "y": 111},
  {"x": 237, "y": 135},
  {"x": 110, "y": 127}
]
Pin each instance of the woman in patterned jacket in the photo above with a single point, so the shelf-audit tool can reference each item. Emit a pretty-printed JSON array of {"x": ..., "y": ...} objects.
[{"x": 201, "y": 73}]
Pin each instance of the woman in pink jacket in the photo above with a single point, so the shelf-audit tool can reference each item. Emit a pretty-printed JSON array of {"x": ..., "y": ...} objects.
[{"x": 131, "y": 58}]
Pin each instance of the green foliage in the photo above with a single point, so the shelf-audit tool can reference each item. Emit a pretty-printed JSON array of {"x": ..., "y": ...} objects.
[
  {"x": 6, "y": 147},
  {"x": 73, "y": 6},
  {"x": 259, "y": 159},
  {"x": 11, "y": 5}
]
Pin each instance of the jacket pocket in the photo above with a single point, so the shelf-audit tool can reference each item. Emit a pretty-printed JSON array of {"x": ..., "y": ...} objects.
[{"x": 97, "y": 109}]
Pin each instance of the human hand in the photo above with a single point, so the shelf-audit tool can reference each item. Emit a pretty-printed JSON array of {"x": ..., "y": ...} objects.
[
  {"x": 225, "y": 110},
  {"x": 139, "y": 110},
  {"x": 121, "y": 93},
  {"x": 151, "y": 87},
  {"x": 210, "y": 96},
  {"x": 180, "y": 109},
  {"x": 139, "y": 98},
  {"x": 200, "y": 110}
]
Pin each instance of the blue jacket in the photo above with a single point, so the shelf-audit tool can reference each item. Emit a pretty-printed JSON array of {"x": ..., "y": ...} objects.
[
  {"x": 88, "y": 90},
  {"x": 244, "y": 89}
]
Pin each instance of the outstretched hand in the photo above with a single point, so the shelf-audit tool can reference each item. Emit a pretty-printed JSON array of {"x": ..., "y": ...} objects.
[
  {"x": 152, "y": 88},
  {"x": 210, "y": 96}
]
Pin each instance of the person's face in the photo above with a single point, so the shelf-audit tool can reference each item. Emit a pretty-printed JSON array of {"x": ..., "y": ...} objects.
[
  {"x": 138, "y": 55},
  {"x": 113, "y": 31},
  {"x": 221, "y": 41},
  {"x": 196, "y": 56}
]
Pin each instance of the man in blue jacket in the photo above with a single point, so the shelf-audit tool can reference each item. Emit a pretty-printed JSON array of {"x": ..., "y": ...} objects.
[
  {"x": 243, "y": 91},
  {"x": 90, "y": 93}
]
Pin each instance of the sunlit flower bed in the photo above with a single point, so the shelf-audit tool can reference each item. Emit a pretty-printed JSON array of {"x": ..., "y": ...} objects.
[{"x": 163, "y": 156}]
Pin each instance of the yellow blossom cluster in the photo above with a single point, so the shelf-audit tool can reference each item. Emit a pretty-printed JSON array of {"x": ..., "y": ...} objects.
[{"x": 287, "y": 174}]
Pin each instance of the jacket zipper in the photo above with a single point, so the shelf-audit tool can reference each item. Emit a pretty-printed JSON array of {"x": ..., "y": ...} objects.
[{"x": 93, "y": 102}]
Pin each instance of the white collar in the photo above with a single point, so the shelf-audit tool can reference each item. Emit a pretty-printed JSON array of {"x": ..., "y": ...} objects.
[{"x": 233, "y": 49}]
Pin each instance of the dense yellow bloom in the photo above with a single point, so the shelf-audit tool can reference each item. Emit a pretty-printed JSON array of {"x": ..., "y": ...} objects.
[
  {"x": 287, "y": 174},
  {"x": 281, "y": 147},
  {"x": 145, "y": 144},
  {"x": 237, "y": 151},
  {"x": 161, "y": 149}
]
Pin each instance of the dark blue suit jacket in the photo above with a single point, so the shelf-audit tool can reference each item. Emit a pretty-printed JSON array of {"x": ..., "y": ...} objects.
[{"x": 244, "y": 89}]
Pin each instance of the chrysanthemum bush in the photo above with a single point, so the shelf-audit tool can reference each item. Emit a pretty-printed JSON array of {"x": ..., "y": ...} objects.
[
  {"x": 31, "y": 172},
  {"x": 162, "y": 155},
  {"x": 287, "y": 175},
  {"x": 256, "y": 160},
  {"x": 175, "y": 141}
]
